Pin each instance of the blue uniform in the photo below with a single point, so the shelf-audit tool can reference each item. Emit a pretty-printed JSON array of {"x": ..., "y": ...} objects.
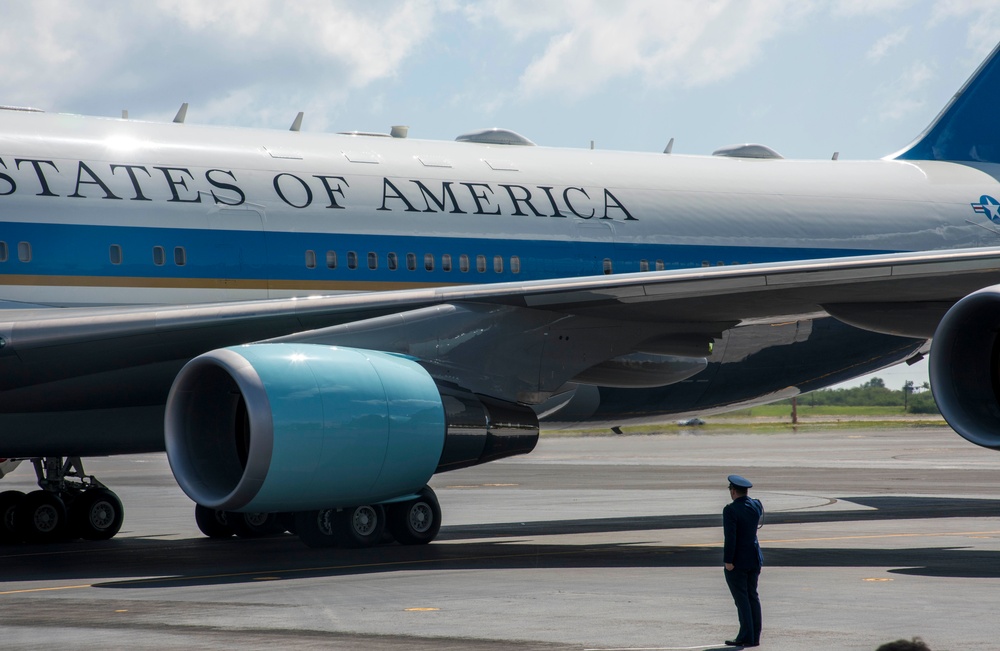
[{"x": 739, "y": 524}]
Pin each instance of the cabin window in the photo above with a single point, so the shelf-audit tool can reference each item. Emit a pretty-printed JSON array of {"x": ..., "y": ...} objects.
[
  {"x": 498, "y": 264},
  {"x": 446, "y": 262},
  {"x": 3, "y": 252},
  {"x": 115, "y": 253},
  {"x": 608, "y": 269},
  {"x": 659, "y": 265},
  {"x": 706, "y": 263},
  {"x": 159, "y": 256},
  {"x": 411, "y": 261},
  {"x": 515, "y": 264},
  {"x": 481, "y": 263},
  {"x": 372, "y": 260},
  {"x": 310, "y": 259},
  {"x": 180, "y": 256},
  {"x": 24, "y": 251},
  {"x": 352, "y": 260},
  {"x": 392, "y": 261},
  {"x": 643, "y": 265},
  {"x": 428, "y": 262},
  {"x": 463, "y": 263},
  {"x": 331, "y": 259},
  {"x": 720, "y": 263}
]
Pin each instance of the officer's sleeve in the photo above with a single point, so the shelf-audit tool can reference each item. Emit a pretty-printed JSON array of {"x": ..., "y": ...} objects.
[{"x": 729, "y": 531}]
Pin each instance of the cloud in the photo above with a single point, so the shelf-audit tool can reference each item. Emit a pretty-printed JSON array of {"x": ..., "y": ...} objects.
[
  {"x": 217, "y": 55},
  {"x": 906, "y": 94},
  {"x": 887, "y": 43},
  {"x": 668, "y": 42}
]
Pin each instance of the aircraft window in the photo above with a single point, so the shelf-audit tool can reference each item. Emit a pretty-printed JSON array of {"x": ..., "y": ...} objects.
[
  {"x": 659, "y": 265},
  {"x": 706, "y": 263},
  {"x": 392, "y": 261},
  {"x": 607, "y": 266},
  {"x": 643, "y": 265},
  {"x": 24, "y": 251},
  {"x": 352, "y": 260},
  {"x": 429, "y": 261},
  {"x": 446, "y": 262},
  {"x": 498, "y": 264},
  {"x": 481, "y": 263},
  {"x": 180, "y": 256},
  {"x": 3, "y": 252},
  {"x": 720, "y": 263},
  {"x": 331, "y": 259},
  {"x": 411, "y": 261},
  {"x": 463, "y": 263},
  {"x": 310, "y": 259},
  {"x": 115, "y": 253},
  {"x": 159, "y": 256},
  {"x": 515, "y": 264},
  {"x": 372, "y": 260}
]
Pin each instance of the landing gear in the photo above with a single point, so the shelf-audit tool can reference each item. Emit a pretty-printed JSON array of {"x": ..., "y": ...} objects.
[
  {"x": 414, "y": 522},
  {"x": 70, "y": 504}
]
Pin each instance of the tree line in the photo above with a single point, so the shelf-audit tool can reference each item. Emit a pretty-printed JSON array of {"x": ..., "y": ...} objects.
[{"x": 873, "y": 393}]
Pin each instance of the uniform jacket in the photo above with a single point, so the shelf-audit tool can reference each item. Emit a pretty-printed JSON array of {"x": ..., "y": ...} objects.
[{"x": 739, "y": 524}]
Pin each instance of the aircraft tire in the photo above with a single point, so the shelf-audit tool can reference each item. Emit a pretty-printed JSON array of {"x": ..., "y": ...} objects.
[
  {"x": 416, "y": 521},
  {"x": 212, "y": 523},
  {"x": 359, "y": 526},
  {"x": 96, "y": 514},
  {"x": 255, "y": 525},
  {"x": 317, "y": 529},
  {"x": 9, "y": 501},
  {"x": 41, "y": 517}
]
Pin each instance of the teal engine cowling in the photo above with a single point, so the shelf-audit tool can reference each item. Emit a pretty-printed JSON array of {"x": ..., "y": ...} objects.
[{"x": 294, "y": 427}]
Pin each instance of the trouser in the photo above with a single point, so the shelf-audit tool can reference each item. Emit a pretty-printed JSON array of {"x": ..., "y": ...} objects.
[{"x": 743, "y": 586}]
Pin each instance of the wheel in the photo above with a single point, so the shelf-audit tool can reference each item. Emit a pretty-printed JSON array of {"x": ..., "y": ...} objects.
[
  {"x": 212, "y": 523},
  {"x": 41, "y": 517},
  {"x": 359, "y": 526},
  {"x": 417, "y": 521},
  {"x": 316, "y": 528},
  {"x": 255, "y": 525},
  {"x": 9, "y": 501},
  {"x": 97, "y": 514}
]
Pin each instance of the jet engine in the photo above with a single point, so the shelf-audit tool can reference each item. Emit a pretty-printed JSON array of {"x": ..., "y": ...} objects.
[
  {"x": 295, "y": 427},
  {"x": 965, "y": 367}
]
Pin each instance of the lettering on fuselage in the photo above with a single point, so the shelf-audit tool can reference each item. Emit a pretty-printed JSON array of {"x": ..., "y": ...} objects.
[{"x": 178, "y": 184}]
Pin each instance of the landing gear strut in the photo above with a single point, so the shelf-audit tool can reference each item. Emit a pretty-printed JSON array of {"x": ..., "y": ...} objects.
[{"x": 69, "y": 504}]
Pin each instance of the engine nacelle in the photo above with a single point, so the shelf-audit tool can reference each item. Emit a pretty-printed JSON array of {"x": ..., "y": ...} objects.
[
  {"x": 965, "y": 367},
  {"x": 295, "y": 427}
]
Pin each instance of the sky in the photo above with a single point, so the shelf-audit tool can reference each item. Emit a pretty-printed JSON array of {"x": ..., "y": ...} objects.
[{"x": 805, "y": 77}]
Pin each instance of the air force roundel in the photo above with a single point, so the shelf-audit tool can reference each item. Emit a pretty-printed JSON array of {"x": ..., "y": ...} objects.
[{"x": 988, "y": 206}]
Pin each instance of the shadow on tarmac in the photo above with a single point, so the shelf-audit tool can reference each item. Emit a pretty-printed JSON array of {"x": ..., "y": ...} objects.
[{"x": 202, "y": 561}]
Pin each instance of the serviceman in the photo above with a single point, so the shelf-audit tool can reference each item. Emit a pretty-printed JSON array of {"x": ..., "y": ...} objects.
[{"x": 743, "y": 558}]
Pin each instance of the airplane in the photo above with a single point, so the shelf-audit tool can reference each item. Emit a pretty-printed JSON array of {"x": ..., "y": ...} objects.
[{"x": 312, "y": 325}]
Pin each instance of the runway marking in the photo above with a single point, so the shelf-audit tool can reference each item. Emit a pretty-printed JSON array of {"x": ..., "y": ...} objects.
[
  {"x": 420, "y": 610},
  {"x": 654, "y": 648},
  {"x": 62, "y": 587},
  {"x": 877, "y": 580}
]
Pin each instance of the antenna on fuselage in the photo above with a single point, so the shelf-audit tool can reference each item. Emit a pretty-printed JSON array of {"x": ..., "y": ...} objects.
[
  {"x": 124, "y": 114},
  {"x": 181, "y": 113},
  {"x": 297, "y": 123},
  {"x": 670, "y": 147},
  {"x": 836, "y": 155}
]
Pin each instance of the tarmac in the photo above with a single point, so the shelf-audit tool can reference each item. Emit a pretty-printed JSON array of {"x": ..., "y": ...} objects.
[{"x": 610, "y": 542}]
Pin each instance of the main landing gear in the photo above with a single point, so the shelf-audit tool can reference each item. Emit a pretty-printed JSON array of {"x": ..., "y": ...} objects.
[
  {"x": 69, "y": 504},
  {"x": 412, "y": 522}
]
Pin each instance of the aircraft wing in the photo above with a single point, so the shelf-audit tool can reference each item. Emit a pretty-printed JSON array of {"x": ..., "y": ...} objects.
[{"x": 459, "y": 329}]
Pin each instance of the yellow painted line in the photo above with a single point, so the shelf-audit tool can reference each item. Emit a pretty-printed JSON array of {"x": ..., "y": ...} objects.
[
  {"x": 420, "y": 610},
  {"x": 62, "y": 587},
  {"x": 877, "y": 580}
]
